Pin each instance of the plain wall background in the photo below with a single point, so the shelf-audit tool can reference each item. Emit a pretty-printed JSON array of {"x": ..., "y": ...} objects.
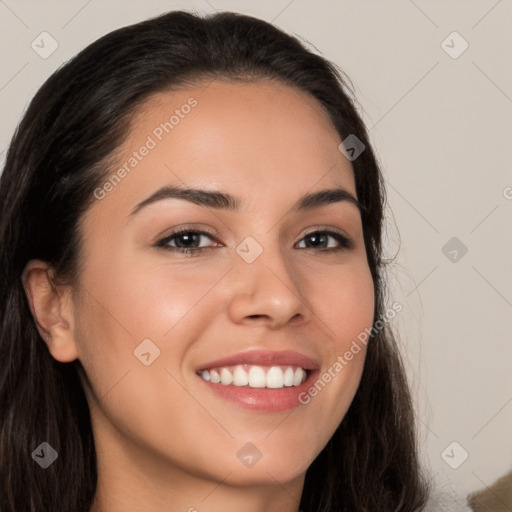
[{"x": 441, "y": 127}]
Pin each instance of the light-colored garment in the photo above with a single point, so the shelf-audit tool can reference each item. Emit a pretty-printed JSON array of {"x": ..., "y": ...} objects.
[{"x": 445, "y": 499}]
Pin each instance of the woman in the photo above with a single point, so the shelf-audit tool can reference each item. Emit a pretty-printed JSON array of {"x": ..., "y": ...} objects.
[{"x": 193, "y": 313}]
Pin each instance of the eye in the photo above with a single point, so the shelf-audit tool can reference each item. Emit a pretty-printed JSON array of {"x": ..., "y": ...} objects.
[
  {"x": 188, "y": 241},
  {"x": 185, "y": 241},
  {"x": 319, "y": 241}
]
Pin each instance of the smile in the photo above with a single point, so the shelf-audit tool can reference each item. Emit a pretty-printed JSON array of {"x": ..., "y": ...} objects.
[
  {"x": 254, "y": 376},
  {"x": 260, "y": 380}
]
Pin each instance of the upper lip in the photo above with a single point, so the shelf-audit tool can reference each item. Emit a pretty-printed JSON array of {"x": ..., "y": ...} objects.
[{"x": 264, "y": 358}]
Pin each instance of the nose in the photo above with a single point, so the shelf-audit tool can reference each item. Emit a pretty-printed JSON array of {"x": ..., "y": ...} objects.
[{"x": 267, "y": 291}]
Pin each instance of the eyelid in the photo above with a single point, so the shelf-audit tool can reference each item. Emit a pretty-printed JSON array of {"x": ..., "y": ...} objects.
[
  {"x": 324, "y": 229},
  {"x": 163, "y": 240},
  {"x": 187, "y": 228}
]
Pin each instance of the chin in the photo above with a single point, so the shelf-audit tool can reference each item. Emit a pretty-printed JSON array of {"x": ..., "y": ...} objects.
[{"x": 268, "y": 464}]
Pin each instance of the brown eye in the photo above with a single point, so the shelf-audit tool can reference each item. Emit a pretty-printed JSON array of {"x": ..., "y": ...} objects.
[
  {"x": 322, "y": 240},
  {"x": 185, "y": 241}
]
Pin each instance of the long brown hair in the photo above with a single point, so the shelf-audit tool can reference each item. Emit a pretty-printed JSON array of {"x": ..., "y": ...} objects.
[{"x": 60, "y": 154}]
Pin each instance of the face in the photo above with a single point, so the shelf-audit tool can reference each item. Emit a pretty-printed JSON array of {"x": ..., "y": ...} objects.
[{"x": 273, "y": 290}]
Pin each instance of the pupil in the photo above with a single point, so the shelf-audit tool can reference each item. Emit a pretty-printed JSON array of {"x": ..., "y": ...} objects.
[
  {"x": 317, "y": 239},
  {"x": 189, "y": 237}
]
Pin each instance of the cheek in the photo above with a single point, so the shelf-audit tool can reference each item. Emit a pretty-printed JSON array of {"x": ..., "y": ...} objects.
[
  {"x": 123, "y": 306},
  {"x": 126, "y": 303},
  {"x": 132, "y": 300},
  {"x": 158, "y": 298},
  {"x": 344, "y": 301}
]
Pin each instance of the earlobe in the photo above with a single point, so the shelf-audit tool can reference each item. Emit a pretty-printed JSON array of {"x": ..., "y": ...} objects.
[{"x": 52, "y": 309}]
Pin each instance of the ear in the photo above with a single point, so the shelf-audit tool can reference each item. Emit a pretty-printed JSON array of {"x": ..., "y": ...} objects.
[{"x": 52, "y": 308}]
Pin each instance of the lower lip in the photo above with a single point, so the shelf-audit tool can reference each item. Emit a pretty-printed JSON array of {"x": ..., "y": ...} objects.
[{"x": 262, "y": 399}]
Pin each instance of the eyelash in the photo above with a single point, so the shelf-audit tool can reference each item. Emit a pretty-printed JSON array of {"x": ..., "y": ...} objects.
[{"x": 344, "y": 242}]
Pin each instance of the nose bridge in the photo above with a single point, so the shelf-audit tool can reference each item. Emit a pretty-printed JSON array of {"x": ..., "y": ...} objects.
[{"x": 266, "y": 284}]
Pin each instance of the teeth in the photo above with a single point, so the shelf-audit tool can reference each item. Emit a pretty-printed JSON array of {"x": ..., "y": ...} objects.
[
  {"x": 226, "y": 377},
  {"x": 256, "y": 376},
  {"x": 288, "y": 377},
  {"x": 240, "y": 377},
  {"x": 299, "y": 375},
  {"x": 275, "y": 377},
  {"x": 214, "y": 376}
]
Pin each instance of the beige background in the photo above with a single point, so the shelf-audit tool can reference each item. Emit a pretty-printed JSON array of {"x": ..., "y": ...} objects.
[{"x": 442, "y": 128}]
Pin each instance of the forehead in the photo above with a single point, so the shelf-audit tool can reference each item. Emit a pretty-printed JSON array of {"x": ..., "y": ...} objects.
[{"x": 243, "y": 137}]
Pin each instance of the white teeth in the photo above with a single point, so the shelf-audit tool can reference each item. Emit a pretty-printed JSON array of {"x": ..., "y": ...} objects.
[
  {"x": 256, "y": 376},
  {"x": 288, "y": 377},
  {"x": 226, "y": 377},
  {"x": 299, "y": 376},
  {"x": 275, "y": 377},
  {"x": 240, "y": 377}
]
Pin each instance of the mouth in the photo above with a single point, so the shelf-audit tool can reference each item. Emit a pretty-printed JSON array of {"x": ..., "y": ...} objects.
[
  {"x": 253, "y": 376},
  {"x": 260, "y": 380}
]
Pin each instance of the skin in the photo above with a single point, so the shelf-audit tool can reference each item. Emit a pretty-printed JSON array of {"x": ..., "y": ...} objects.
[{"x": 163, "y": 440}]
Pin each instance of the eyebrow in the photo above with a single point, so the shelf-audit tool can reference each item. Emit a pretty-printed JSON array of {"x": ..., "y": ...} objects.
[{"x": 224, "y": 201}]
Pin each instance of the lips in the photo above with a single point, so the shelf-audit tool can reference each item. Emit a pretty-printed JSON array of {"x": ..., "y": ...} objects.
[
  {"x": 264, "y": 358},
  {"x": 260, "y": 380}
]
